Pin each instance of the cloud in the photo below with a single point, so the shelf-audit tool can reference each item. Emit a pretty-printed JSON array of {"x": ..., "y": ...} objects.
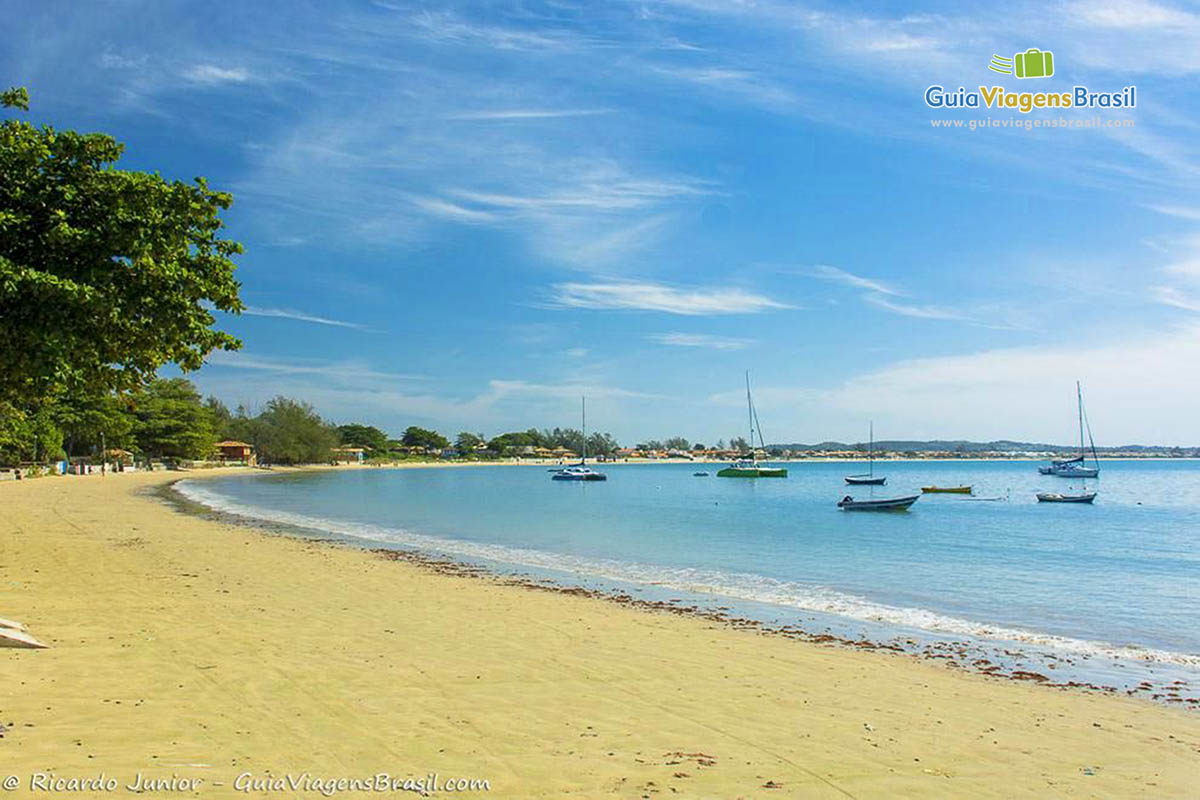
[
  {"x": 1126, "y": 14},
  {"x": 283, "y": 313},
  {"x": 907, "y": 310},
  {"x": 1183, "y": 212},
  {"x": 508, "y": 114},
  {"x": 577, "y": 352},
  {"x": 659, "y": 297},
  {"x": 212, "y": 75},
  {"x": 702, "y": 340},
  {"x": 346, "y": 371},
  {"x": 1170, "y": 296},
  {"x": 841, "y": 276},
  {"x": 448, "y": 210}
]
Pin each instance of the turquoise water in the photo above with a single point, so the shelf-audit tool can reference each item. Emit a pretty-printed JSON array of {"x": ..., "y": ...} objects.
[{"x": 1113, "y": 588}]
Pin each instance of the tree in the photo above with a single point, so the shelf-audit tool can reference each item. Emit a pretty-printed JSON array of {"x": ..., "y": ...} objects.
[
  {"x": 467, "y": 442},
  {"x": 697, "y": 447},
  {"x": 420, "y": 437},
  {"x": 90, "y": 421},
  {"x": 739, "y": 444},
  {"x": 602, "y": 444},
  {"x": 28, "y": 436},
  {"x": 676, "y": 443},
  {"x": 368, "y": 436},
  {"x": 105, "y": 274},
  {"x": 288, "y": 432},
  {"x": 514, "y": 441},
  {"x": 171, "y": 422}
]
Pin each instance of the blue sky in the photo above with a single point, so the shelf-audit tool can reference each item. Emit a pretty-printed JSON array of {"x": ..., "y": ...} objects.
[{"x": 465, "y": 216}]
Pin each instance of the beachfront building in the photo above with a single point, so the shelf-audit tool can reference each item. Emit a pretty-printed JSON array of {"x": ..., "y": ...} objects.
[
  {"x": 348, "y": 455},
  {"x": 231, "y": 452}
]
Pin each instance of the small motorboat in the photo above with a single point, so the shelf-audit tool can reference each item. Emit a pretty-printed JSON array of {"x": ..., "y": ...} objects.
[
  {"x": 865, "y": 480},
  {"x": 848, "y": 503},
  {"x": 1059, "y": 497},
  {"x": 699, "y": 474},
  {"x": 947, "y": 490}
]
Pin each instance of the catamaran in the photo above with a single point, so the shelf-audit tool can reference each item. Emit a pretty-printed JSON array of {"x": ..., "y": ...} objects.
[
  {"x": 580, "y": 471},
  {"x": 869, "y": 478},
  {"x": 1074, "y": 467},
  {"x": 749, "y": 467}
]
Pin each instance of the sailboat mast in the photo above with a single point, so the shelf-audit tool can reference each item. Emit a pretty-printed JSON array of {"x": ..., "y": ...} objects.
[
  {"x": 750, "y": 412},
  {"x": 871, "y": 450},
  {"x": 1079, "y": 397}
]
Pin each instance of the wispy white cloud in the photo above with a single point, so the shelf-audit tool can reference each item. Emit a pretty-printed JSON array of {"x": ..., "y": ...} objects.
[
  {"x": 850, "y": 279},
  {"x": 211, "y": 74},
  {"x": 352, "y": 371},
  {"x": 284, "y": 313},
  {"x": 1172, "y": 296},
  {"x": 660, "y": 297},
  {"x": 577, "y": 352},
  {"x": 909, "y": 310},
  {"x": 704, "y": 340},
  {"x": 448, "y": 210},
  {"x": 509, "y": 114},
  {"x": 1183, "y": 212}
]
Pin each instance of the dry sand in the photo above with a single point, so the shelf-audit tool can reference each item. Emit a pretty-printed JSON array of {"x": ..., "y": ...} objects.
[{"x": 190, "y": 647}]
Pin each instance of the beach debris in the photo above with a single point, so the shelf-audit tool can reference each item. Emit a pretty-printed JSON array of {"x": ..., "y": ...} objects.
[
  {"x": 10, "y": 624},
  {"x": 10, "y": 637},
  {"x": 772, "y": 785}
]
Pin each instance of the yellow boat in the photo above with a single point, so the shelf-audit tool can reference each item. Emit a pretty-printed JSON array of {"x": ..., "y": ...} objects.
[{"x": 946, "y": 489}]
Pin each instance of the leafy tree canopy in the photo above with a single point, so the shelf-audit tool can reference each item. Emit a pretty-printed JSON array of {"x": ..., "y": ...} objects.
[
  {"x": 368, "y": 436},
  {"x": 170, "y": 421},
  {"x": 419, "y": 437},
  {"x": 105, "y": 274},
  {"x": 288, "y": 432}
]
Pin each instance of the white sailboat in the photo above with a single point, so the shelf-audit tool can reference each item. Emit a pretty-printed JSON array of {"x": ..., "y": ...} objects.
[
  {"x": 580, "y": 471},
  {"x": 1074, "y": 467}
]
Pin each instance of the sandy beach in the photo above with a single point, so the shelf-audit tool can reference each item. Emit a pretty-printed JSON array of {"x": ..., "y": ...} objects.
[{"x": 191, "y": 650}]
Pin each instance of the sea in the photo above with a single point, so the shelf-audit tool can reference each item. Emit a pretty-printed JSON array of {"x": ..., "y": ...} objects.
[{"x": 1104, "y": 595}]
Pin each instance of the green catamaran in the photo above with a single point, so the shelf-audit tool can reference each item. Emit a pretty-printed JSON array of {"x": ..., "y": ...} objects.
[{"x": 749, "y": 467}]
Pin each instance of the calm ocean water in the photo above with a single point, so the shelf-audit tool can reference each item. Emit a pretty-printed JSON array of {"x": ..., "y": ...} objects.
[{"x": 1114, "y": 588}]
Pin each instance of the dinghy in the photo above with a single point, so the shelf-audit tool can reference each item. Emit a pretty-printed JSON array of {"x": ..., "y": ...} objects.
[
  {"x": 848, "y": 503},
  {"x": 1058, "y": 497},
  {"x": 946, "y": 489}
]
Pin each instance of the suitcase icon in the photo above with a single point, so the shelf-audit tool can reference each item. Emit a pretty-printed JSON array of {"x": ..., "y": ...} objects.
[{"x": 1034, "y": 63}]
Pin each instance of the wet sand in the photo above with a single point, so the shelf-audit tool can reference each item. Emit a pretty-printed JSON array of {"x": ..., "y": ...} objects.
[{"x": 195, "y": 648}]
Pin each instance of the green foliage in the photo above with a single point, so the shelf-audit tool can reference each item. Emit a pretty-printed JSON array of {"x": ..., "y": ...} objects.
[
  {"x": 105, "y": 274},
  {"x": 513, "y": 442},
  {"x": 368, "y": 436},
  {"x": 89, "y": 421},
  {"x": 288, "y": 432},
  {"x": 677, "y": 443},
  {"x": 171, "y": 422},
  {"x": 466, "y": 442},
  {"x": 28, "y": 437},
  {"x": 420, "y": 437},
  {"x": 17, "y": 98},
  {"x": 739, "y": 444}
]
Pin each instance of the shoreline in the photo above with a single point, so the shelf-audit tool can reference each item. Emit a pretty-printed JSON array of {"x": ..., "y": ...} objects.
[
  {"x": 994, "y": 656},
  {"x": 187, "y": 641}
]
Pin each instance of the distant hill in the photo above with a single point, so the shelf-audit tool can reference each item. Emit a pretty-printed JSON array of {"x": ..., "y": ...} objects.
[{"x": 964, "y": 446}]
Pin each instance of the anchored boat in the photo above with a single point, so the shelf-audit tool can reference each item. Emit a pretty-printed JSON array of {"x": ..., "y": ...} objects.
[
  {"x": 1058, "y": 497},
  {"x": 868, "y": 479},
  {"x": 749, "y": 467},
  {"x": 580, "y": 471},
  {"x": 947, "y": 489},
  {"x": 1074, "y": 467},
  {"x": 848, "y": 503}
]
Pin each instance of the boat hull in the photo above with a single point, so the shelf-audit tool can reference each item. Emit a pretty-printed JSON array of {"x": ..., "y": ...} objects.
[
  {"x": 892, "y": 504},
  {"x": 753, "y": 472},
  {"x": 1055, "y": 497},
  {"x": 946, "y": 489},
  {"x": 596, "y": 476},
  {"x": 855, "y": 480}
]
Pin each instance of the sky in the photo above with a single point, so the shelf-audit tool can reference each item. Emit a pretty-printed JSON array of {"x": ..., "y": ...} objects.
[{"x": 466, "y": 216}]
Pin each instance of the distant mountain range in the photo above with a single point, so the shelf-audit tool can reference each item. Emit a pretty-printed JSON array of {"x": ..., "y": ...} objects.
[{"x": 964, "y": 446}]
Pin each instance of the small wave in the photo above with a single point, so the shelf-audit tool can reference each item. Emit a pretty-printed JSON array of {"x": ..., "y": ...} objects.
[{"x": 733, "y": 585}]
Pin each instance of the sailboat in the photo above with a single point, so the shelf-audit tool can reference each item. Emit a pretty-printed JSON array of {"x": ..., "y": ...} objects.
[
  {"x": 1074, "y": 467},
  {"x": 580, "y": 471},
  {"x": 869, "y": 478},
  {"x": 749, "y": 467}
]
